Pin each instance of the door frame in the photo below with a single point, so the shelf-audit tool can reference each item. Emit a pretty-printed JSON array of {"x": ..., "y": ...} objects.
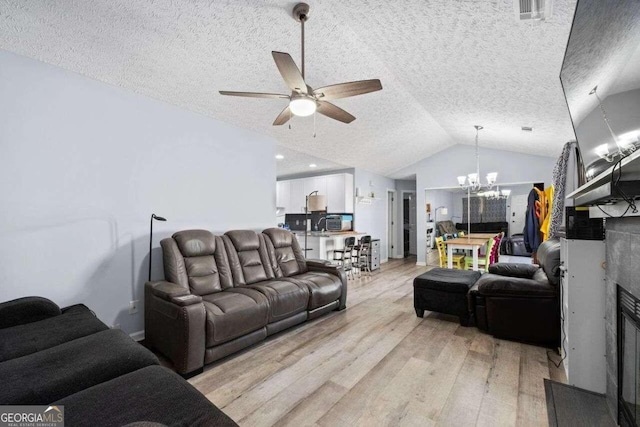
[
  {"x": 389, "y": 229},
  {"x": 415, "y": 230}
]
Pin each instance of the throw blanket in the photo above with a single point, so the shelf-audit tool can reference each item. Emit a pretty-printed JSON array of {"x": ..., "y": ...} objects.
[{"x": 559, "y": 184}]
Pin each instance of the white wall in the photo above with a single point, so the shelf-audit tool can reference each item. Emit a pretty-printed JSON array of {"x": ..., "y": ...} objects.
[
  {"x": 441, "y": 170},
  {"x": 84, "y": 164},
  {"x": 372, "y": 219}
]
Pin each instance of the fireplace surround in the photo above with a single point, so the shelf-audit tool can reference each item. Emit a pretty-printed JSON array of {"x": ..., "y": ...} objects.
[
  {"x": 622, "y": 276},
  {"x": 628, "y": 337}
]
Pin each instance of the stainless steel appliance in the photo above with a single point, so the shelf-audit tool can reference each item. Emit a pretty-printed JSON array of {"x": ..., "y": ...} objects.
[
  {"x": 339, "y": 222},
  {"x": 334, "y": 222}
]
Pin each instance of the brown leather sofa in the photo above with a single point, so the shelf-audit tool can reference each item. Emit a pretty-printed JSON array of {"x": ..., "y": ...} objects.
[
  {"x": 521, "y": 301},
  {"x": 225, "y": 293}
]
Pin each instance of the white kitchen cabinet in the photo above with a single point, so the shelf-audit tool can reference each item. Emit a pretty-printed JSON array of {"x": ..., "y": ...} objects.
[
  {"x": 583, "y": 310},
  {"x": 340, "y": 193},
  {"x": 315, "y": 183},
  {"x": 338, "y": 188},
  {"x": 283, "y": 195},
  {"x": 297, "y": 196}
]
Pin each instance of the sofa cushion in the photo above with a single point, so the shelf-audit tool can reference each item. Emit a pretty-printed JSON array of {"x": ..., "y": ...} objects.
[
  {"x": 248, "y": 257},
  {"x": 444, "y": 279},
  {"x": 152, "y": 394},
  {"x": 524, "y": 271},
  {"x": 324, "y": 288},
  {"x": 26, "y": 310},
  {"x": 285, "y": 298},
  {"x": 549, "y": 259},
  {"x": 284, "y": 249},
  {"x": 495, "y": 285},
  {"x": 233, "y": 313},
  {"x": 196, "y": 259},
  {"x": 75, "y": 322},
  {"x": 48, "y": 375}
]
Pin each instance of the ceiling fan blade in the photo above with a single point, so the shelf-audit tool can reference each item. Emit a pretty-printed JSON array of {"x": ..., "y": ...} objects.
[
  {"x": 344, "y": 90},
  {"x": 334, "y": 112},
  {"x": 253, "y": 94},
  {"x": 283, "y": 117},
  {"x": 290, "y": 72}
]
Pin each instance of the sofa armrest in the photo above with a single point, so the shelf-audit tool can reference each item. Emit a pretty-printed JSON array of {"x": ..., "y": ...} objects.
[
  {"x": 490, "y": 285},
  {"x": 173, "y": 293},
  {"x": 26, "y": 310},
  {"x": 524, "y": 271},
  {"x": 335, "y": 269},
  {"x": 175, "y": 323}
]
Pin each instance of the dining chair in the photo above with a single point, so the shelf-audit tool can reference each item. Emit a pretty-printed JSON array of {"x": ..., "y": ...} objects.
[
  {"x": 483, "y": 262},
  {"x": 458, "y": 259}
]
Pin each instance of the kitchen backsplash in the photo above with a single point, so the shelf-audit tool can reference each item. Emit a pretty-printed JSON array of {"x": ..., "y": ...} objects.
[{"x": 296, "y": 221}]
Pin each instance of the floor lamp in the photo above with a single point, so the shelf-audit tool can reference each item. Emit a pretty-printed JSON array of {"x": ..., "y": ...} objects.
[
  {"x": 159, "y": 218},
  {"x": 314, "y": 202}
]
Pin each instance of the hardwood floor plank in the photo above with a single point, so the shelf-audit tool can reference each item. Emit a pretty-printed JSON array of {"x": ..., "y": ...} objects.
[
  {"x": 532, "y": 407},
  {"x": 500, "y": 400},
  {"x": 312, "y": 408}
]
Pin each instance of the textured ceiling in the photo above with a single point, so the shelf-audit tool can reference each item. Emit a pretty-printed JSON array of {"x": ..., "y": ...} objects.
[
  {"x": 444, "y": 66},
  {"x": 295, "y": 162}
]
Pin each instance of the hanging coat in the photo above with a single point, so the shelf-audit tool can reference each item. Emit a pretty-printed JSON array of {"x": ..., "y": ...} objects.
[
  {"x": 546, "y": 222},
  {"x": 531, "y": 223}
]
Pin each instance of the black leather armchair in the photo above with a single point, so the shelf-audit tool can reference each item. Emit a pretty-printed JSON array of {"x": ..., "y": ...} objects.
[{"x": 521, "y": 301}]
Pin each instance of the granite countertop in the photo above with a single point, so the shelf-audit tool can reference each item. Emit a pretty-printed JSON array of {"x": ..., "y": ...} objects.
[{"x": 329, "y": 234}]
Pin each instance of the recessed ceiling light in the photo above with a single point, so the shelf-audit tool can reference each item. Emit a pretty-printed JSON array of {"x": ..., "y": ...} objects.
[
  {"x": 313, "y": 165},
  {"x": 527, "y": 128},
  {"x": 279, "y": 156}
]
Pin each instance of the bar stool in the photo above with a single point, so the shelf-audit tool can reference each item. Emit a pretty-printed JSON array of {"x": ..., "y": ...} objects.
[
  {"x": 363, "y": 251},
  {"x": 344, "y": 256}
]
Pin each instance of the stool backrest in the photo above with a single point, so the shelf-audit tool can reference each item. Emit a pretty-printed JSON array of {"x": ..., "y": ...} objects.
[{"x": 349, "y": 242}]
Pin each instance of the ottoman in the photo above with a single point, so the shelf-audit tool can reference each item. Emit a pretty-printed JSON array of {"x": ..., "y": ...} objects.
[{"x": 445, "y": 291}]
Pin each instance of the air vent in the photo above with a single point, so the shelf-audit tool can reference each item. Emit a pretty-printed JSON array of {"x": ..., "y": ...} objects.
[
  {"x": 527, "y": 128},
  {"x": 536, "y": 10}
]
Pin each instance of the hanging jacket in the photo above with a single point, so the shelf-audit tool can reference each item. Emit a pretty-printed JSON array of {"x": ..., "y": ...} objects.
[
  {"x": 546, "y": 221},
  {"x": 532, "y": 224}
]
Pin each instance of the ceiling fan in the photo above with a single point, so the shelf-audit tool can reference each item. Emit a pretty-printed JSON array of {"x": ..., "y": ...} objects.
[{"x": 304, "y": 101}]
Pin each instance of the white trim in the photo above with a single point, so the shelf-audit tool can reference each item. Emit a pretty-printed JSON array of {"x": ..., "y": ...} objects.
[
  {"x": 394, "y": 219},
  {"x": 137, "y": 336},
  {"x": 384, "y": 260},
  {"x": 415, "y": 194},
  {"x": 421, "y": 264}
]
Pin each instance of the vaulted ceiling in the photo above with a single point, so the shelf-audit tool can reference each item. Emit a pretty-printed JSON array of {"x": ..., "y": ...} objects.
[{"x": 444, "y": 65}]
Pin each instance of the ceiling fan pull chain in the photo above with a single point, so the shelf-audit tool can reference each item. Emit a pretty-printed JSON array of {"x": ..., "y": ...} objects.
[
  {"x": 314, "y": 124},
  {"x": 289, "y": 118}
]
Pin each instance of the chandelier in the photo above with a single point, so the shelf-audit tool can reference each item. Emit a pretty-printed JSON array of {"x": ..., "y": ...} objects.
[
  {"x": 496, "y": 195},
  {"x": 472, "y": 181}
]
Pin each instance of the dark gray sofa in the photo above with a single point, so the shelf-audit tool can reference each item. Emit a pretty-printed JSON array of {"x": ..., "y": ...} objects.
[{"x": 103, "y": 378}]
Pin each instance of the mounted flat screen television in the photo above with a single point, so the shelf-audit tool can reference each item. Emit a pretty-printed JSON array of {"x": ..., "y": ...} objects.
[{"x": 601, "y": 81}]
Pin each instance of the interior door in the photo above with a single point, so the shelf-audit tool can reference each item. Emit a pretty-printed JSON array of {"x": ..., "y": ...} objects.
[{"x": 517, "y": 211}]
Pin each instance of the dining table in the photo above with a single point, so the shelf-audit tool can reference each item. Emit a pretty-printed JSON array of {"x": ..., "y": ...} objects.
[
  {"x": 481, "y": 235},
  {"x": 471, "y": 243}
]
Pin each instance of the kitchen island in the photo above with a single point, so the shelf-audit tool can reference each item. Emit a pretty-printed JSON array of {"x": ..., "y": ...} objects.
[{"x": 320, "y": 245}]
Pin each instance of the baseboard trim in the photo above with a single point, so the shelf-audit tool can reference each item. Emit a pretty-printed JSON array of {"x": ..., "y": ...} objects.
[
  {"x": 384, "y": 260},
  {"x": 421, "y": 264},
  {"x": 137, "y": 336}
]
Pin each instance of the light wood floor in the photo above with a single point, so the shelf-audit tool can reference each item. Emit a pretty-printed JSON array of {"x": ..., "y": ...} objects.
[{"x": 377, "y": 364}]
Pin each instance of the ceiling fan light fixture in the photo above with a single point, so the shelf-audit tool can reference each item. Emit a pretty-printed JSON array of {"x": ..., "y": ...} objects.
[{"x": 302, "y": 106}]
